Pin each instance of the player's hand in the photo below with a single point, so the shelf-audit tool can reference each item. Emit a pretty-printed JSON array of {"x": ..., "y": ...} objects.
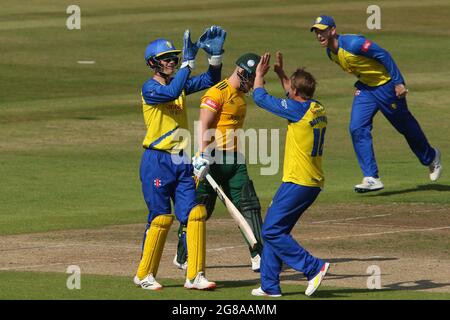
[
  {"x": 189, "y": 50},
  {"x": 400, "y": 91},
  {"x": 212, "y": 41},
  {"x": 278, "y": 66},
  {"x": 263, "y": 65},
  {"x": 201, "y": 166}
]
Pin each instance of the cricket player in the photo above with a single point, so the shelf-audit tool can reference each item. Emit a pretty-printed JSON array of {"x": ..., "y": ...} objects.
[
  {"x": 166, "y": 172},
  {"x": 222, "y": 110},
  {"x": 302, "y": 176},
  {"x": 380, "y": 87}
]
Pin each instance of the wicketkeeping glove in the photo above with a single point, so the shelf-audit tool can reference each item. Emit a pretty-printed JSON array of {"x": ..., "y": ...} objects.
[
  {"x": 212, "y": 41},
  {"x": 189, "y": 51},
  {"x": 201, "y": 166}
]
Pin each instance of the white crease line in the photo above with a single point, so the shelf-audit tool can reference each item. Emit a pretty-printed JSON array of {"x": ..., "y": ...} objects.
[
  {"x": 37, "y": 247},
  {"x": 62, "y": 245},
  {"x": 86, "y": 62},
  {"x": 233, "y": 247},
  {"x": 350, "y": 219},
  {"x": 379, "y": 233},
  {"x": 226, "y": 248},
  {"x": 428, "y": 210},
  {"x": 44, "y": 265},
  {"x": 338, "y": 224},
  {"x": 94, "y": 260}
]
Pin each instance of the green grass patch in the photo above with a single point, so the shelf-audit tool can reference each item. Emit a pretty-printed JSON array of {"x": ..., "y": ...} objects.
[
  {"x": 71, "y": 134},
  {"x": 53, "y": 286}
]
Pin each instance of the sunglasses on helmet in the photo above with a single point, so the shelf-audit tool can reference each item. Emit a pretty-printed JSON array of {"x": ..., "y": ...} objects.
[{"x": 169, "y": 59}]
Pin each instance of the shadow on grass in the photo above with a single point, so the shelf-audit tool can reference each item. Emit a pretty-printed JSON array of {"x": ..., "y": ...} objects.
[
  {"x": 416, "y": 285},
  {"x": 336, "y": 293},
  {"x": 341, "y": 260},
  {"x": 297, "y": 276},
  {"x": 238, "y": 284},
  {"x": 422, "y": 187}
]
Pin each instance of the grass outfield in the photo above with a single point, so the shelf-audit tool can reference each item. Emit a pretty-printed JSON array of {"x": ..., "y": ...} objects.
[
  {"x": 50, "y": 286},
  {"x": 71, "y": 134}
]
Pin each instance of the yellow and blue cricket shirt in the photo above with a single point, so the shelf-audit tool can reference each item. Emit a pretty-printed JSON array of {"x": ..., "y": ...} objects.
[
  {"x": 307, "y": 123},
  {"x": 371, "y": 64},
  {"x": 164, "y": 107}
]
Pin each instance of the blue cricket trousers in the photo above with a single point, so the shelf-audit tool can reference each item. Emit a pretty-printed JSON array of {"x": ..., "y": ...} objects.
[
  {"x": 290, "y": 201},
  {"x": 165, "y": 178},
  {"x": 367, "y": 102}
]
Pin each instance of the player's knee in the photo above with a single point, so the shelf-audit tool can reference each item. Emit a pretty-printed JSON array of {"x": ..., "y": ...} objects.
[
  {"x": 359, "y": 133},
  {"x": 208, "y": 201},
  {"x": 268, "y": 234},
  {"x": 162, "y": 221},
  {"x": 197, "y": 213}
]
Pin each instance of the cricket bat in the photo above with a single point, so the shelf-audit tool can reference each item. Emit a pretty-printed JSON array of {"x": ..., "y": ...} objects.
[{"x": 234, "y": 212}]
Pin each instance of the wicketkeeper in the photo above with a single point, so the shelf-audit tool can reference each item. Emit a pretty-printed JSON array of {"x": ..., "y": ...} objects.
[
  {"x": 166, "y": 171},
  {"x": 223, "y": 110}
]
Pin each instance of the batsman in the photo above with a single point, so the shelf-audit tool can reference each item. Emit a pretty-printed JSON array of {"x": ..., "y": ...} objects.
[{"x": 222, "y": 111}]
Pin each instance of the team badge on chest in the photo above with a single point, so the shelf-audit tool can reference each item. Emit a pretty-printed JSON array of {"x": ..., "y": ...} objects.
[{"x": 157, "y": 182}]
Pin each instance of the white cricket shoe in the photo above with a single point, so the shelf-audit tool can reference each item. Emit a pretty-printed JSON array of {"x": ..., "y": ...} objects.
[
  {"x": 314, "y": 283},
  {"x": 148, "y": 283},
  {"x": 435, "y": 166},
  {"x": 182, "y": 266},
  {"x": 369, "y": 184},
  {"x": 136, "y": 281},
  {"x": 260, "y": 293},
  {"x": 256, "y": 263},
  {"x": 200, "y": 283}
]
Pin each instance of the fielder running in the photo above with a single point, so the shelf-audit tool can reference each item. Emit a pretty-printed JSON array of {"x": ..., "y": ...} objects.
[
  {"x": 223, "y": 109},
  {"x": 166, "y": 171},
  {"x": 302, "y": 177},
  {"x": 380, "y": 86}
]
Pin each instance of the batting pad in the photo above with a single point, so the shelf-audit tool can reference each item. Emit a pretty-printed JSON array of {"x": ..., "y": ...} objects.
[
  {"x": 154, "y": 245},
  {"x": 251, "y": 211},
  {"x": 196, "y": 241}
]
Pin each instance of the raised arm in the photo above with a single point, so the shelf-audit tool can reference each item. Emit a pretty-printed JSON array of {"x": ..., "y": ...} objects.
[
  {"x": 154, "y": 93},
  {"x": 285, "y": 108},
  {"x": 211, "y": 41},
  {"x": 205, "y": 80},
  {"x": 278, "y": 68}
]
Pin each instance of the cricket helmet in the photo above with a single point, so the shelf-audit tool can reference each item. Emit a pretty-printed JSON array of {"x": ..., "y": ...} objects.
[
  {"x": 159, "y": 47},
  {"x": 248, "y": 62}
]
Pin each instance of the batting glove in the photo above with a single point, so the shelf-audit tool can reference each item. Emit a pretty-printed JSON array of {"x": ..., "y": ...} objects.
[
  {"x": 201, "y": 166},
  {"x": 212, "y": 41},
  {"x": 189, "y": 51}
]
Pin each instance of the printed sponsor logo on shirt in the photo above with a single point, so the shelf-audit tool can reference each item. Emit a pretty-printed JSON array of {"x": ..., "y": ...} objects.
[
  {"x": 366, "y": 45},
  {"x": 211, "y": 103},
  {"x": 284, "y": 103},
  {"x": 235, "y": 117},
  {"x": 174, "y": 109}
]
